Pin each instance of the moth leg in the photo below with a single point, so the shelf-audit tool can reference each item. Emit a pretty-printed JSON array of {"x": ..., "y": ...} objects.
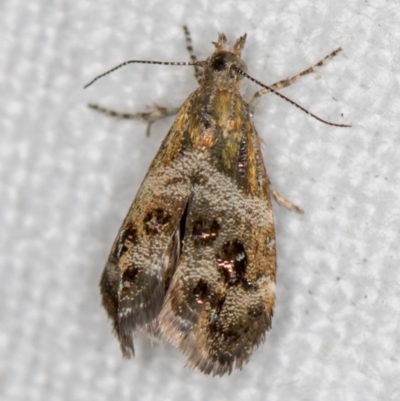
[
  {"x": 289, "y": 81},
  {"x": 193, "y": 58},
  {"x": 284, "y": 202},
  {"x": 156, "y": 113}
]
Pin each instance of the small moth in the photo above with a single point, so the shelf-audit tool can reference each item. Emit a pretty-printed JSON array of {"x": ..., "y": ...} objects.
[{"x": 194, "y": 262}]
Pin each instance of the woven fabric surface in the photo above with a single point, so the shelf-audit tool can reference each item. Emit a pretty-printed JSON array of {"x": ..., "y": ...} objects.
[{"x": 68, "y": 176}]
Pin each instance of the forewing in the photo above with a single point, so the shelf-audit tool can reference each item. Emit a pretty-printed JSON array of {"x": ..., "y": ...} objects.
[
  {"x": 144, "y": 254},
  {"x": 221, "y": 298}
]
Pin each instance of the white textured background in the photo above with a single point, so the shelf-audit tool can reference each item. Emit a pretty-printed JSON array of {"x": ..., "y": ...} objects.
[{"x": 68, "y": 176}]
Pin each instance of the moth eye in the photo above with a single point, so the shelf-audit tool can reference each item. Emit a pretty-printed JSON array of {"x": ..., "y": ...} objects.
[
  {"x": 219, "y": 62},
  {"x": 233, "y": 262},
  {"x": 155, "y": 221},
  {"x": 127, "y": 238},
  {"x": 205, "y": 232}
]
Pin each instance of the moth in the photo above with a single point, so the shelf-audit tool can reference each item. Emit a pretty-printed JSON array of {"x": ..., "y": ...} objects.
[{"x": 194, "y": 263}]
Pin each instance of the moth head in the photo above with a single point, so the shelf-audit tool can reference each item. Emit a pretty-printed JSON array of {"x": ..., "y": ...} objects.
[{"x": 222, "y": 63}]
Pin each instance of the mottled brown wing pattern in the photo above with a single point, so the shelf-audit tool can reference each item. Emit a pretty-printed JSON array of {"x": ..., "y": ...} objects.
[
  {"x": 221, "y": 299},
  {"x": 194, "y": 261},
  {"x": 143, "y": 257}
]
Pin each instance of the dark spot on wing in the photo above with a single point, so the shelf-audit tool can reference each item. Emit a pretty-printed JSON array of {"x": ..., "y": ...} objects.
[
  {"x": 155, "y": 221},
  {"x": 129, "y": 276},
  {"x": 232, "y": 262},
  {"x": 201, "y": 292},
  {"x": 205, "y": 231},
  {"x": 127, "y": 238}
]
